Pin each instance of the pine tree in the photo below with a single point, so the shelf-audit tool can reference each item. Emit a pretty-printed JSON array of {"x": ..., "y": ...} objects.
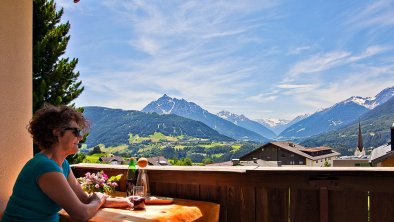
[{"x": 54, "y": 78}]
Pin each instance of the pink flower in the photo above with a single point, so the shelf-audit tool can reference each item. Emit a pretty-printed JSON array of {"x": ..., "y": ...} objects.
[{"x": 98, "y": 182}]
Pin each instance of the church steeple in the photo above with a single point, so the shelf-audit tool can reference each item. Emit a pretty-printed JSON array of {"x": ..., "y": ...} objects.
[
  {"x": 360, "y": 151},
  {"x": 360, "y": 145}
]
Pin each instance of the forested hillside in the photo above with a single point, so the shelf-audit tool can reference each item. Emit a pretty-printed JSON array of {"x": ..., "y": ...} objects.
[{"x": 113, "y": 127}]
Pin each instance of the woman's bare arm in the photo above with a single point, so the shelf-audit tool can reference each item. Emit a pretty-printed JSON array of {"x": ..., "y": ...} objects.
[
  {"x": 76, "y": 187},
  {"x": 55, "y": 185}
]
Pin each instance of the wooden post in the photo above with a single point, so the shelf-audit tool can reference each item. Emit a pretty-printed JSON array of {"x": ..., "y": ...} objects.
[{"x": 323, "y": 204}]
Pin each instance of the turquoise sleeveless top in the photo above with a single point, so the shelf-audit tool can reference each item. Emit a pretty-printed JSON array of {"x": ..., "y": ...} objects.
[{"x": 28, "y": 202}]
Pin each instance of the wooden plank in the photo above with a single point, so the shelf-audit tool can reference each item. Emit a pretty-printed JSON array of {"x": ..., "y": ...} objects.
[
  {"x": 188, "y": 191},
  {"x": 240, "y": 203},
  {"x": 164, "y": 189},
  {"x": 345, "y": 206},
  {"x": 323, "y": 191},
  {"x": 209, "y": 193},
  {"x": 248, "y": 203},
  {"x": 272, "y": 204},
  {"x": 381, "y": 206},
  {"x": 304, "y": 205},
  {"x": 233, "y": 204},
  {"x": 222, "y": 198}
]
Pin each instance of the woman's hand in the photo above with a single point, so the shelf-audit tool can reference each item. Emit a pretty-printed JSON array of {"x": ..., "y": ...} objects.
[
  {"x": 118, "y": 202},
  {"x": 102, "y": 198}
]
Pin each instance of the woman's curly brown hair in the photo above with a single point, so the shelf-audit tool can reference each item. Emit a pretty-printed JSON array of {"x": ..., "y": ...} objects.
[{"x": 49, "y": 118}]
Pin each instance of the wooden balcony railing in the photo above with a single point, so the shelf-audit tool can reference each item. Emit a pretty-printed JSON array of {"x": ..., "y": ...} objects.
[{"x": 284, "y": 194}]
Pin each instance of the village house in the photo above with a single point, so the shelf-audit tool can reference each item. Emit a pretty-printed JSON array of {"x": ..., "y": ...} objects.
[
  {"x": 383, "y": 156},
  {"x": 289, "y": 153},
  {"x": 158, "y": 161},
  {"x": 114, "y": 160}
]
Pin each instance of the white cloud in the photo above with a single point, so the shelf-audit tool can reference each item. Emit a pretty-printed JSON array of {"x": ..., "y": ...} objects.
[
  {"x": 364, "y": 81},
  {"x": 262, "y": 98},
  {"x": 318, "y": 63},
  {"x": 298, "y": 50},
  {"x": 294, "y": 86},
  {"x": 323, "y": 62},
  {"x": 375, "y": 15},
  {"x": 369, "y": 52},
  {"x": 146, "y": 45}
]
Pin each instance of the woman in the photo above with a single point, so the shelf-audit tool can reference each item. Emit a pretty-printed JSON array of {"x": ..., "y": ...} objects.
[{"x": 46, "y": 183}]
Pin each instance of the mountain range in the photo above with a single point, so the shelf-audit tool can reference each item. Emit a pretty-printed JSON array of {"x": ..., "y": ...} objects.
[
  {"x": 181, "y": 107},
  {"x": 375, "y": 127},
  {"x": 334, "y": 126},
  {"x": 278, "y": 125},
  {"x": 336, "y": 116},
  {"x": 243, "y": 121},
  {"x": 112, "y": 127}
]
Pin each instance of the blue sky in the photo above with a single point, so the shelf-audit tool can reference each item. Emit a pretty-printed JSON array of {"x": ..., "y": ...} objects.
[{"x": 263, "y": 59}]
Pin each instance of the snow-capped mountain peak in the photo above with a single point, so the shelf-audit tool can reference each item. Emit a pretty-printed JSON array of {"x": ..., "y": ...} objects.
[
  {"x": 245, "y": 122},
  {"x": 224, "y": 114},
  {"x": 278, "y": 125},
  {"x": 190, "y": 110},
  {"x": 372, "y": 102},
  {"x": 338, "y": 115},
  {"x": 165, "y": 104},
  {"x": 231, "y": 116},
  {"x": 272, "y": 122},
  {"x": 358, "y": 100}
]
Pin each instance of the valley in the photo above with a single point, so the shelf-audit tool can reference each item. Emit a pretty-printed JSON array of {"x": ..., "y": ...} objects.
[
  {"x": 196, "y": 149},
  {"x": 176, "y": 128}
]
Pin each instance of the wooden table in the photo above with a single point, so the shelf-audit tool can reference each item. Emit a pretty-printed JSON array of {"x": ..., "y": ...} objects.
[{"x": 181, "y": 210}]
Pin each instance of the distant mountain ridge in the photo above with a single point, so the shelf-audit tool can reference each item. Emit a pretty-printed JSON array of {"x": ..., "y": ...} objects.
[
  {"x": 336, "y": 116},
  {"x": 181, "y": 107},
  {"x": 112, "y": 127},
  {"x": 246, "y": 123},
  {"x": 272, "y": 122},
  {"x": 324, "y": 121},
  {"x": 375, "y": 127},
  {"x": 278, "y": 125},
  {"x": 372, "y": 102}
]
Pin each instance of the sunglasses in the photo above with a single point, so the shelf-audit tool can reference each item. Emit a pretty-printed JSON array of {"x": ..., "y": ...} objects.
[{"x": 76, "y": 131}]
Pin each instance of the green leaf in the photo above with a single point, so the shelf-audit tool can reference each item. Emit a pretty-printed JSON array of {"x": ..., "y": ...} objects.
[{"x": 115, "y": 178}]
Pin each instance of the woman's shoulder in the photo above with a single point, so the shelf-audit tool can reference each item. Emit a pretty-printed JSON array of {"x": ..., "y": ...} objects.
[
  {"x": 39, "y": 159},
  {"x": 42, "y": 164}
]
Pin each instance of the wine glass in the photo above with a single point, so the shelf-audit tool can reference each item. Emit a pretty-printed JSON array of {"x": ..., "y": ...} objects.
[
  {"x": 138, "y": 198},
  {"x": 138, "y": 191}
]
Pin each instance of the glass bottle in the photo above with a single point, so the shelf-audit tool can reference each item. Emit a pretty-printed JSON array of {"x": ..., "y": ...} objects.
[
  {"x": 131, "y": 178},
  {"x": 142, "y": 179}
]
